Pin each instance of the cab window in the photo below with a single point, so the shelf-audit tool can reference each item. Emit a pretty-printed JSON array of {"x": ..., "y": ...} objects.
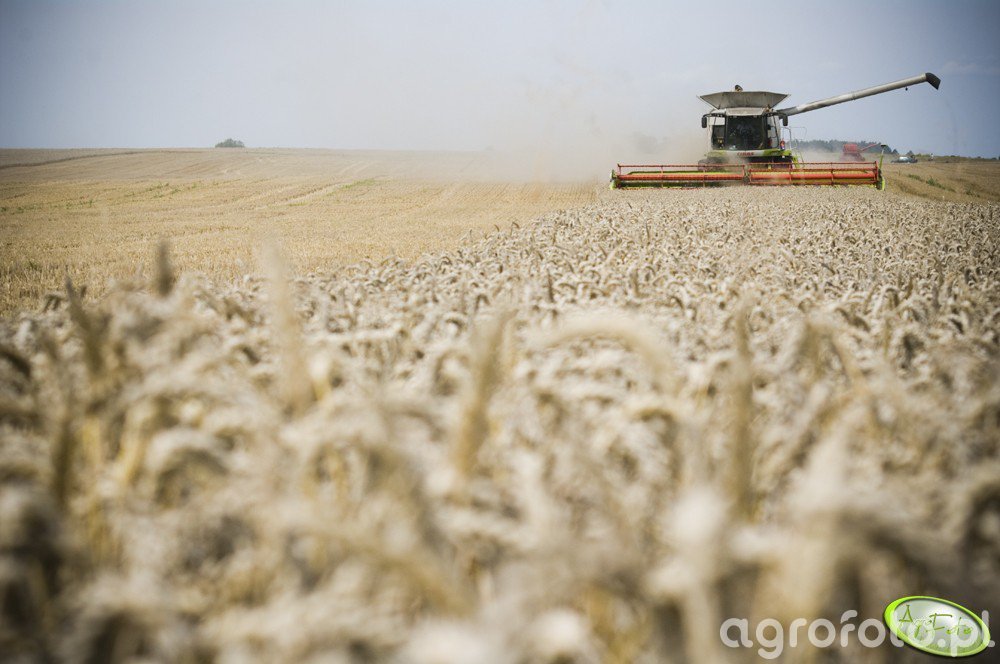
[
  {"x": 745, "y": 132},
  {"x": 719, "y": 135}
]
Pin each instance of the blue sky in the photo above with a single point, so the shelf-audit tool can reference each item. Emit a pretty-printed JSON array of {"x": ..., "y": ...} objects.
[{"x": 620, "y": 76}]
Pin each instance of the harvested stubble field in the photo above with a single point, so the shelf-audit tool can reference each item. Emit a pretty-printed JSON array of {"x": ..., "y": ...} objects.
[
  {"x": 95, "y": 213},
  {"x": 950, "y": 179},
  {"x": 588, "y": 438}
]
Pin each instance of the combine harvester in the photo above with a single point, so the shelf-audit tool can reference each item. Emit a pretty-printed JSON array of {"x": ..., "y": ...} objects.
[
  {"x": 853, "y": 151},
  {"x": 747, "y": 146}
]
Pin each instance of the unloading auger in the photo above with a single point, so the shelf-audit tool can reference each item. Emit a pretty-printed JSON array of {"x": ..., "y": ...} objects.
[{"x": 747, "y": 146}]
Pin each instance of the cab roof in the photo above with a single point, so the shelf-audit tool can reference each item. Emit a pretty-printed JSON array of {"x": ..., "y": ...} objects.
[{"x": 743, "y": 99}]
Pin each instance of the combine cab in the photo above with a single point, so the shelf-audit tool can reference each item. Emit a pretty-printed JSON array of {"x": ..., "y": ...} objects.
[{"x": 747, "y": 146}]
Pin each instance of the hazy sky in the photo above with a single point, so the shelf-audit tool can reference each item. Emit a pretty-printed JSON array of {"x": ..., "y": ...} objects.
[{"x": 551, "y": 75}]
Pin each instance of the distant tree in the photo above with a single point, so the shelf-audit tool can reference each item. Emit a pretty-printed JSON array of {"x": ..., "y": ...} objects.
[{"x": 230, "y": 143}]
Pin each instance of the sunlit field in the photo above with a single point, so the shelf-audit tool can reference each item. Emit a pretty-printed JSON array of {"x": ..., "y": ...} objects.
[
  {"x": 96, "y": 215},
  {"x": 541, "y": 423}
]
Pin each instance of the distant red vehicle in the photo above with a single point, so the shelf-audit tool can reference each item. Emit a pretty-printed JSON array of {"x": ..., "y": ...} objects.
[{"x": 852, "y": 151}]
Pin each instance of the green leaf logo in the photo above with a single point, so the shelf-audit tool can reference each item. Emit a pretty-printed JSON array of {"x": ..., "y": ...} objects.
[{"x": 937, "y": 626}]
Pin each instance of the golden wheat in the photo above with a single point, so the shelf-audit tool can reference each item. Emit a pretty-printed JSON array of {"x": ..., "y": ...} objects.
[{"x": 591, "y": 438}]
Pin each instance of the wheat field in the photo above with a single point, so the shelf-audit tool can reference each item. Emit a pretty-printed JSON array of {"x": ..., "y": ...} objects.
[
  {"x": 587, "y": 437},
  {"x": 95, "y": 213},
  {"x": 949, "y": 179}
]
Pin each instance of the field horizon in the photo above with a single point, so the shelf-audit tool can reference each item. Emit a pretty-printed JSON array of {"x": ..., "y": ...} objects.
[{"x": 97, "y": 215}]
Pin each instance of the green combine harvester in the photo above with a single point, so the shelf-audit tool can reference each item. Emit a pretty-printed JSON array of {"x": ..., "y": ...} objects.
[{"x": 747, "y": 146}]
